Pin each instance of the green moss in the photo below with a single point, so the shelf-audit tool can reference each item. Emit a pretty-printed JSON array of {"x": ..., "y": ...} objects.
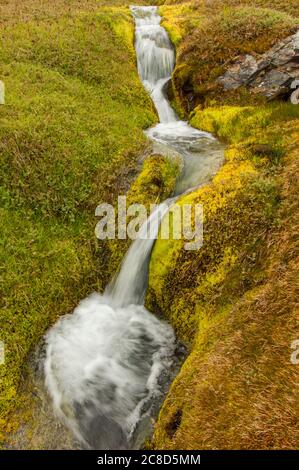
[
  {"x": 154, "y": 184},
  {"x": 200, "y": 292},
  {"x": 71, "y": 134},
  {"x": 242, "y": 194},
  {"x": 179, "y": 20},
  {"x": 209, "y": 37}
]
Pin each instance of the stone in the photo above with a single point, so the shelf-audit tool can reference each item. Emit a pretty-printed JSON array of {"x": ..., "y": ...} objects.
[
  {"x": 239, "y": 73},
  {"x": 272, "y": 74}
]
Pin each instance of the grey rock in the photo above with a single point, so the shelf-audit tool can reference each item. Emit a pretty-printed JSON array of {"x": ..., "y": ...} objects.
[
  {"x": 239, "y": 73},
  {"x": 273, "y": 74}
]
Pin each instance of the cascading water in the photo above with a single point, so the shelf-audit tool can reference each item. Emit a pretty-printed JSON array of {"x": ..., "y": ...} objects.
[
  {"x": 107, "y": 363},
  {"x": 104, "y": 362},
  {"x": 202, "y": 153}
]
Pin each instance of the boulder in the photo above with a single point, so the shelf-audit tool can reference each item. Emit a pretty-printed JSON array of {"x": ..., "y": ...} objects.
[{"x": 272, "y": 74}]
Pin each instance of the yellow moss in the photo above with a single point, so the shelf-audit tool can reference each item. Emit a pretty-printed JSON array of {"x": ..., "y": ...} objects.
[
  {"x": 220, "y": 195},
  {"x": 217, "y": 297},
  {"x": 179, "y": 20},
  {"x": 155, "y": 183}
]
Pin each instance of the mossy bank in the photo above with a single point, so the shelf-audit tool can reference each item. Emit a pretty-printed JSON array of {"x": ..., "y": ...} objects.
[
  {"x": 71, "y": 137},
  {"x": 234, "y": 302}
]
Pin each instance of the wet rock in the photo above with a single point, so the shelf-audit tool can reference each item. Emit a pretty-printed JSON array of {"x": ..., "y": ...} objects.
[{"x": 273, "y": 74}]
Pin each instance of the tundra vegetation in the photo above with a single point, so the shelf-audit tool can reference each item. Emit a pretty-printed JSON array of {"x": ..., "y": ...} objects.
[
  {"x": 235, "y": 301},
  {"x": 71, "y": 137}
]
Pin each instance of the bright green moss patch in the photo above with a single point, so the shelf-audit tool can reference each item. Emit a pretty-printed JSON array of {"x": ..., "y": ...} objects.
[
  {"x": 71, "y": 135},
  {"x": 155, "y": 182},
  {"x": 255, "y": 125},
  {"x": 180, "y": 20}
]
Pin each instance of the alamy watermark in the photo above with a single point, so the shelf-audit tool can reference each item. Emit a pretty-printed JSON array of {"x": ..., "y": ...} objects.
[{"x": 176, "y": 221}]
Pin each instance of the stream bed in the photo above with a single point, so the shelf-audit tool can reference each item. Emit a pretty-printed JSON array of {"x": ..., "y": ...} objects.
[{"x": 108, "y": 365}]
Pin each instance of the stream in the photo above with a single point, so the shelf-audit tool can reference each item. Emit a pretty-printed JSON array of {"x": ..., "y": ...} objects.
[{"x": 109, "y": 364}]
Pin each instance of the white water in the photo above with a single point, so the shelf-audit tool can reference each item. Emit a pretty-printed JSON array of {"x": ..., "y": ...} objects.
[
  {"x": 107, "y": 363},
  {"x": 201, "y": 152},
  {"x": 104, "y": 362}
]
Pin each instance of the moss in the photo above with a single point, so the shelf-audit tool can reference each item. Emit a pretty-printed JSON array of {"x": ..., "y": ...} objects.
[
  {"x": 156, "y": 181},
  {"x": 227, "y": 301},
  {"x": 210, "y": 35},
  {"x": 154, "y": 184},
  {"x": 224, "y": 201},
  {"x": 180, "y": 20},
  {"x": 71, "y": 134},
  {"x": 223, "y": 299}
]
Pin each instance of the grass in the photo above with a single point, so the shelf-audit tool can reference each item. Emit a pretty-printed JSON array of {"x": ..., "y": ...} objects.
[
  {"x": 71, "y": 135},
  {"x": 233, "y": 302},
  {"x": 226, "y": 300}
]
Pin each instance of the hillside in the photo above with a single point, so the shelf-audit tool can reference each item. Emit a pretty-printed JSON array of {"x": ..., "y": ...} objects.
[
  {"x": 71, "y": 137},
  {"x": 235, "y": 301}
]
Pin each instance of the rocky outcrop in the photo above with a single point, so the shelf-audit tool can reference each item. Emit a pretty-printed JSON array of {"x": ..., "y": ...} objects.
[{"x": 273, "y": 74}]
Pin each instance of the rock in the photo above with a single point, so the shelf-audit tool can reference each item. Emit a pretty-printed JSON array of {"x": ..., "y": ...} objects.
[
  {"x": 295, "y": 94},
  {"x": 239, "y": 73},
  {"x": 274, "y": 83},
  {"x": 273, "y": 74}
]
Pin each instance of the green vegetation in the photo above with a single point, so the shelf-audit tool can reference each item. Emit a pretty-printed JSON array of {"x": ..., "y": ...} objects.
[
  {"x": 154, "y": 184},
  {"x": 70, "y": 138},
  {"x": 209, "y": 35},
  {"x": 227, "y": 301}
]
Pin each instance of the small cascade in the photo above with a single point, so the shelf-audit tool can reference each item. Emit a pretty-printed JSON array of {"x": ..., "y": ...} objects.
[
  {"x": 108, "y": 364},
  {"x": 155, "y": 58},
  {"x": 130, "y": 284}
]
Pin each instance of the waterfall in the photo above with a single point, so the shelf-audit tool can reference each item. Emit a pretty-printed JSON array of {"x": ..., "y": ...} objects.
[
  {"x": 104, "y": 362},
  {"x": 130, "y": 284},
  {"x": 107, "y": 363},
  {"x": 155, "y": 58}
]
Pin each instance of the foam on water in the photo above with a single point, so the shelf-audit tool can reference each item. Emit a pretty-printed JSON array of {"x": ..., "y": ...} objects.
[{"x": 104, "y": 361}]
